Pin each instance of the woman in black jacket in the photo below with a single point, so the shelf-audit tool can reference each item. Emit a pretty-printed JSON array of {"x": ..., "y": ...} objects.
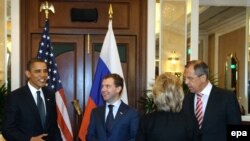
[{"x": 167, "y": 123}]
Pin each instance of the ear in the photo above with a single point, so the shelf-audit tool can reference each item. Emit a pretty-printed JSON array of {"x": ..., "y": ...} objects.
[
  {"x": 204, "y": 78},
  {"x": 27, "y": 73},
  {"x": 119, "y": 89}
]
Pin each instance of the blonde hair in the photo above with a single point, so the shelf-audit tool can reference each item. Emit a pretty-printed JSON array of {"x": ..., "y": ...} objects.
[{"x": 168, "y": 93}]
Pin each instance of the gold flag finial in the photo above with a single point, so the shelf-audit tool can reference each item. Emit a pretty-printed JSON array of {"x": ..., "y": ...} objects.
[
  {"x": 110, "y": 11},
  {"x": 47, "y": 7}
]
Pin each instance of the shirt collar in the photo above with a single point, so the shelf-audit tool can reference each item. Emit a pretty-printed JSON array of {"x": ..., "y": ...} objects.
[
  {"x": 116, "y": 103},
  {"x": 32, "y": 88},
  {"x": 207, "y": 89}
]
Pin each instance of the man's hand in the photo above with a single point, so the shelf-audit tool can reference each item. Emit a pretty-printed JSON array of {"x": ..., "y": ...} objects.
[{"x": 39, "y": 138}]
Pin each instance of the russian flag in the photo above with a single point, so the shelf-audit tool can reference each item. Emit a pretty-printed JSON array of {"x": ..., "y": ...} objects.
[{"x": 109, "y": 62}]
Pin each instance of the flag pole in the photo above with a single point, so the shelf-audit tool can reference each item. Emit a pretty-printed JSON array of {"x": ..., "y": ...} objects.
[{"x": 47, "y": 7}]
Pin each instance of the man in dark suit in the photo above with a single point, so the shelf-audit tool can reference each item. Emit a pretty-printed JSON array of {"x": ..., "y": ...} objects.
[
  {"x": 124, "y": 120},
  {"x": 210, "y": 107},
  {"x": 30, "y": 116}
]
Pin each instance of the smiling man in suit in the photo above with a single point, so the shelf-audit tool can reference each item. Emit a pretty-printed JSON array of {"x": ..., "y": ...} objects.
[
  {"x": 30, "y": 111},
  {"x": 114, "y": 121},
  {"x": 210, "y": 107}
]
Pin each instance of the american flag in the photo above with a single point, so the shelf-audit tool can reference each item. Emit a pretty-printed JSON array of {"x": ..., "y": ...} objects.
[{"x": 45, "y": 52}]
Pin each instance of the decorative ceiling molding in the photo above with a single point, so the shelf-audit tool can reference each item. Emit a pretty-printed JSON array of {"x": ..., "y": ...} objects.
[
  {"x": 216, "y": 16},
  {"x": 230, "y": 24},
  {"x": 225, "y": 2}
]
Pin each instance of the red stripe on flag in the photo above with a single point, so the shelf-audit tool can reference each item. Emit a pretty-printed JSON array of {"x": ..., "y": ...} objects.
[
  {"x": 61, "y": 121},
  {"x": 64, "y": 129},
  {"x": 61, "y": 92},
  {"x": 86, "y": 118}
]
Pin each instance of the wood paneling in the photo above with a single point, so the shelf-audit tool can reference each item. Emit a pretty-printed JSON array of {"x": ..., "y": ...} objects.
[
  {"x": 211, "y": 48},
  {"x": 126, "y": 16},
  {"x": 233, "y": 42}
]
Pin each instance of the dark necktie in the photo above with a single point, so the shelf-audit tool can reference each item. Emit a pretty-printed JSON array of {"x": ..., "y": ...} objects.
[
  {"x": 110, "y": 119},
  {"x": 199, "y": 112},
  {"x": 41, "y": 108}
]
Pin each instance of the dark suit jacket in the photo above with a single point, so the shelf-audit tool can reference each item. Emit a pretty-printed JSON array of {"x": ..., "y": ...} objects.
[
  {"x": 165, "y": 126},
  {"x": 222, "y": 109},
  {"x": 22, "y": 120},
  {"x": 124, "y": 128}
]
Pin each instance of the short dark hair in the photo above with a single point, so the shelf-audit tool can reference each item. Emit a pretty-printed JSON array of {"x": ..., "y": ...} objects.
[
  {"x": 118, "y": 80},
  {"x": 200, "y": 67},
  {"x": 32, "y": 61}
]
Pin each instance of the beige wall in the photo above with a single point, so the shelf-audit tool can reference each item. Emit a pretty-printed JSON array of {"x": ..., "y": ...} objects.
[{"x": 2, "y": 43}]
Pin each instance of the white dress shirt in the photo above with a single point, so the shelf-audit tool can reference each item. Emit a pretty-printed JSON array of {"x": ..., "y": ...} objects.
[
  {"x": 34, "y": 94},
  {"x": 115, "y": 108},
  {"x": 206, "y": 93}
]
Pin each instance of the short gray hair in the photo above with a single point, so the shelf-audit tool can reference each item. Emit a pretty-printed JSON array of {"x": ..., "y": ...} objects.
[{"x": 200, "y": 67}]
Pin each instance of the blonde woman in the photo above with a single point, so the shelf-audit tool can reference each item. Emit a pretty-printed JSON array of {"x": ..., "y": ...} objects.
[{"x": 167, "y": 123}]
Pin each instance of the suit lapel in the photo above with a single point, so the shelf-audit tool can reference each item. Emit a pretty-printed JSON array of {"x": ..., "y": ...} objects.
[
  {"x": 102, "y": 115},
  {"x": 209, "y": 105},
  {"x": 101, "y": 121},
  {"x": 122, "y": 111},
  {"x": 47, "y": 101},
  {"x": 192, "y": 108},
  {"x": 192, "y": 104},
  {"x": 30, "y": 101}
]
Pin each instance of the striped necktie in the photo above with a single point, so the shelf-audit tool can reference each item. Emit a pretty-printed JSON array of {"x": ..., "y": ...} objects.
[{"x": 199, "y": 112}]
